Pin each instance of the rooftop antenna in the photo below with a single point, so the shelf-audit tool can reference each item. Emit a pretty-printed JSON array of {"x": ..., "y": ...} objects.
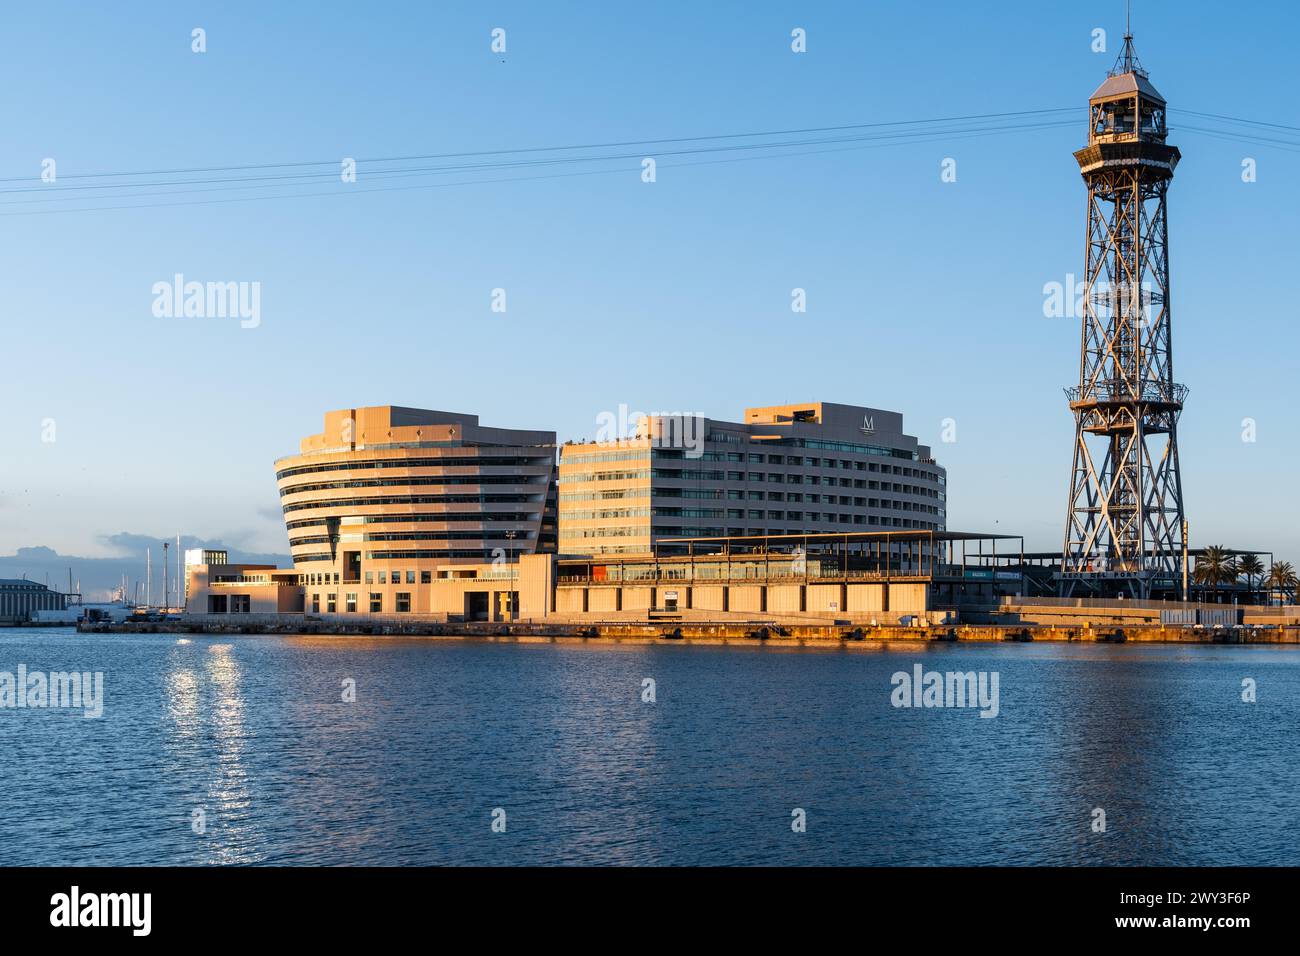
[{"x": 1128, "y": 61}]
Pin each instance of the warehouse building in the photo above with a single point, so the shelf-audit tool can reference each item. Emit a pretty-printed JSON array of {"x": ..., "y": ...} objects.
[{"x": 19, "y": 598}]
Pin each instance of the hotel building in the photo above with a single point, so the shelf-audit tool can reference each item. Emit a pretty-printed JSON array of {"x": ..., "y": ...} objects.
[
  {"x": 800, "y": 512},
  {"x": 386, "y": 499},
  {"x": 813, "y": 468}
]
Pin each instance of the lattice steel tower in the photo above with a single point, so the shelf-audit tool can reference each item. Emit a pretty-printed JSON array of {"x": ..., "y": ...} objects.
[{"x": 1125, "y": 529}]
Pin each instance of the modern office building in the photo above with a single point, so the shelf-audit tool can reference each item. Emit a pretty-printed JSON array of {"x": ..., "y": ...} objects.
[
  {"x": 388, "y": 498},
  {"x": 19, "y": 598},
  {"x": 196, "y": 557},
  {"x": 811, "y": 468}
]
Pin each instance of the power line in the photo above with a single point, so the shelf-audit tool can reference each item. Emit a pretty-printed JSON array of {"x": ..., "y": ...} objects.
[
  {"x": 1230, "y": 137},
  {"x": 543, "y": 149},
  {"x": 357, "y": 190},
  {"x": 470, "y": 167},
  {"x": 872, "y": 135},
  {"x": 1233, "y": 119}
]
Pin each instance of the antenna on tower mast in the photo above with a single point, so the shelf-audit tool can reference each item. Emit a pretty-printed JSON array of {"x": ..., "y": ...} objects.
[{"x": 1128, "y": 61}]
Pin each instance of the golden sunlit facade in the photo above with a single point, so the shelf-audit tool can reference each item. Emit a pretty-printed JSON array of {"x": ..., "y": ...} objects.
[
  {"x": 387, "y": 499},
  {"x": 811, "y": 468}
]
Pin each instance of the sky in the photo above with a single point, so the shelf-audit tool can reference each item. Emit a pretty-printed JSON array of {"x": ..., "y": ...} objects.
[{"x": 923, "y": 296}]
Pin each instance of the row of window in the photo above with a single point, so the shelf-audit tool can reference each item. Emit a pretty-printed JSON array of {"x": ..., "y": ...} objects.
[
  {"x": 801, "y": 461},
  {"x": 401, "y": 603},
  {"x": 404, "y": 482},
  {"x": 606, "y": 495},
  {"x": 853, "y": 448},
  {"x": 776, "y": 477},
  {"x": 413, "y": 536},
  {"x": 779, "y": 478},
  {"x": 784, "y": 515},
  {"x": 569, "y": 456},
  {"x": 798, "y": 497},
  {"x": 584, "y": 476},
  {"x": 636, "y": 531},
  {"x": 482, "y": 554},
  {"x": 438, "y": 518},
  {"x": 491, "y": 499},
  {"x": 458, "y": 461},
  {"x": 395, "y": 577},
  {"x": 665, "y": 531},
  {"x": 603, "y": 513}
]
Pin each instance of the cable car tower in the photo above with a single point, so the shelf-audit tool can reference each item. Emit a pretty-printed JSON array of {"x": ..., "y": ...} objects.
[{"x": 1125, "y": 531}]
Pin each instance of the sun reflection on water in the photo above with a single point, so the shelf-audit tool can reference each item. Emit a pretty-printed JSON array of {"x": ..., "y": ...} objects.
[{"x": 206, "y": 708}]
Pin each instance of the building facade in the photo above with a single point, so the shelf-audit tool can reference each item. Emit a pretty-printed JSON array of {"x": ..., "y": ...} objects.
[
  {"x": 387, "y": 500},
  {"x": 811, "y": 468},
  {"x": 852, "y": 577},
  {"x": 19, "y": 598},
  {"x": 197, "y": 557}
]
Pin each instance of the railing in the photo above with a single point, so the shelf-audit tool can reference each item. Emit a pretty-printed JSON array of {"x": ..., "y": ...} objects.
[
  {"x": 782, "y": 577},
  {"x": 1139, "y": 605},
  {"x": 1118, "y": 393},
  {"x": 248, "y": 583}
]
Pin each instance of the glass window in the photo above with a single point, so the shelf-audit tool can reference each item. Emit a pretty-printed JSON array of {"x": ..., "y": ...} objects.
[
  {"x": 403, "y": 602},
  {"x": 350, "y": 604},
  {"x": 376, "y": 602}
]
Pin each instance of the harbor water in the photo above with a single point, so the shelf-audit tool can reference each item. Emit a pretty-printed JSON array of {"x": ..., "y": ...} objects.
[{"x": 343, "y": 751}]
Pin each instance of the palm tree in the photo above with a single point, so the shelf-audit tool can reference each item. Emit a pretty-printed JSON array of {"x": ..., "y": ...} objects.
[
  {"x": 1281, "y": 579},
  {"x": 1251, "y": 567},
  {"x": 1214, "y": 566}
]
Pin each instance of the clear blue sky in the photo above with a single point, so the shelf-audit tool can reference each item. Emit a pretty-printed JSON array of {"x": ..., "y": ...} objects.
[{"x": 923, "y": 296}]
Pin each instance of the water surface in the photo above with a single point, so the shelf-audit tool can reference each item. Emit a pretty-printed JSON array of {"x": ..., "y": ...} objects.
[{"x": 254, "y": 732}]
